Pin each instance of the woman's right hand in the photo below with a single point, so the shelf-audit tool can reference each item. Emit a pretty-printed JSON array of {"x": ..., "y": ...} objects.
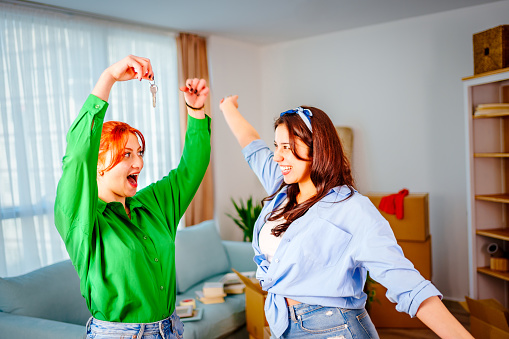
[
  {"x": 227, "y": 101},
  {"x": 131, "y": 67}
]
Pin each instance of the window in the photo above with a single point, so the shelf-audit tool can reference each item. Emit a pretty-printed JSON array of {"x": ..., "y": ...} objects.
[{"x": 50, "y": 62}]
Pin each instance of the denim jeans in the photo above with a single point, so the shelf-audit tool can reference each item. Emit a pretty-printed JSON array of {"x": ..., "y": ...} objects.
[
  {"x": 169, "y": 328},
  {"x": 316, "y": 321}
]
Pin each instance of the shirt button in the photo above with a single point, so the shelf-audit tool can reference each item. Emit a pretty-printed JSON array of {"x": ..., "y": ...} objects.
[
  {"x": 270, "y": 279},
  {"x": 156, "y": 260},
  {"x": 277, "y": 260},
  {"x": 287, "y": 240},
  {"x": 97, "y": 106},
  {"x": 162, "y": 288},
  {"x": 145, "y": 237}
]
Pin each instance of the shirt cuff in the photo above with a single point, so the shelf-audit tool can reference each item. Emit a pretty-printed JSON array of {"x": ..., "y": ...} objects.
[
  {"x": 427, "y": 291},
  {"x": 198, "y": 124},
  {"x": 253, "y": 147},
  {"x": 95, "y": 106}
]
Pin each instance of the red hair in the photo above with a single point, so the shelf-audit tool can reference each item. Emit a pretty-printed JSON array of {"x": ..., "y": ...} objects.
[{"x": 114, "y": 137}]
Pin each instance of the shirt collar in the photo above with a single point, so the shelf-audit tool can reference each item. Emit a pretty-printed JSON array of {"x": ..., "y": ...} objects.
[{"x": 130, "y": 201}]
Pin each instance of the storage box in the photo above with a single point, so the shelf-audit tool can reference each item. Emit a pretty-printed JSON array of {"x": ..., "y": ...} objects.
[
  {"x": 491, "y": 49},
  {"x": 415, "y": 223},
  {"x": 488, "y": 319},
  {"x": 255, "y": 301},
  {"x": 383, "y": 312}
]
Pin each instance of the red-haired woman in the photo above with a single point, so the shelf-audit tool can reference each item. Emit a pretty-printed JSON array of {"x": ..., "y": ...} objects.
[
  {"x": 121, "y": 241},
  {"x": 317, "y": 237}
]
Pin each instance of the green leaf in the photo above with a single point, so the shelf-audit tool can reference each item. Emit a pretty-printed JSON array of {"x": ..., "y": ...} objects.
[{"x": 247, "y": 214}]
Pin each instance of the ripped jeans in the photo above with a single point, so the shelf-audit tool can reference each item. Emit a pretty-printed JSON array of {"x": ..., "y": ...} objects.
[
  {"x": 169, "y": 328},
  {"x": 321, "y": 322}
]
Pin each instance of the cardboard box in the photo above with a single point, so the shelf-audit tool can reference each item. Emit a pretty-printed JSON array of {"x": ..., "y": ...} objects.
[
  {"x": 488, "y": 318},
  {"x": 491, "y": 49},
  {"x": 419, "y": 253},
  {"x": 266, "y": 332},
  {"x": 384, "y": 315},
  {"x": 255, "y": 302},
  {"x": 383, "y": 312},
  {"x": 415, "y": 223}
]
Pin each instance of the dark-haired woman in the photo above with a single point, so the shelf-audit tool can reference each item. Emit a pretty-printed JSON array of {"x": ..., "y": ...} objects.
[
  {"x": 121, "y": 241},
  {"x": 317, "y": 237}
]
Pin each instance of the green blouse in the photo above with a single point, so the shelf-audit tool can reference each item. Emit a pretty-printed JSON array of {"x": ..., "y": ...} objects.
[{"x": 126, "y": 266}]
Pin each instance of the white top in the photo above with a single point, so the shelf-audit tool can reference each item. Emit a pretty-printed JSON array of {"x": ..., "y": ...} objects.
[{"x": 267, "y": 241}]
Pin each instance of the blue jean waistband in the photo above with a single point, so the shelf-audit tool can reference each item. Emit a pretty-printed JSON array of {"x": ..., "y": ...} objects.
[{"x": 96, "y": 325}]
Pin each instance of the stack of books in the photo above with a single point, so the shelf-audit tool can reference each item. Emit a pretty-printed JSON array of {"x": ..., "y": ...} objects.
[
  {"x": 212, "y": 293},
  {"x": 233, "y": 284},
  {"x": 492, "y": 109}
]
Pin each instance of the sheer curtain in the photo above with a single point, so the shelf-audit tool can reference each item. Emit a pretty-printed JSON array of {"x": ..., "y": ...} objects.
[{"x": 50, "y": 62}]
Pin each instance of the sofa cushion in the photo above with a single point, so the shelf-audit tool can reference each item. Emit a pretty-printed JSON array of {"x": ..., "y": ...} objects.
[
  {"x": 51, "y": 292},
  {"x": 199, "y": 254}
]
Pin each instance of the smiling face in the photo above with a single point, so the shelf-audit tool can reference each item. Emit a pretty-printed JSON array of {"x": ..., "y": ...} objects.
[
  {"x": 121, "y": 181},
  {"x": 294, "y": 170}
]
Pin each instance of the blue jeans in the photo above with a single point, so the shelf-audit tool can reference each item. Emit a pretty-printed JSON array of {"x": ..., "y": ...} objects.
[
  {"x": 328, "y": 323},
  {"x": 169, "y": 328}
]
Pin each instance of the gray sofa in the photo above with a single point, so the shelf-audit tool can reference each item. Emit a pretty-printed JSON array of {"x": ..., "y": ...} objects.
[{"x": 47, "y": 303}]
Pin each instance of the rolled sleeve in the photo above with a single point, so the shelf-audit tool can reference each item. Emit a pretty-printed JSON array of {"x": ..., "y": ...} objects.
[{"x": 410, "y": 304}]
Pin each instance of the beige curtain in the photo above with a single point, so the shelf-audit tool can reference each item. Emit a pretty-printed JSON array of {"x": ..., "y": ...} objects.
[{"x": 192, "y": 63}]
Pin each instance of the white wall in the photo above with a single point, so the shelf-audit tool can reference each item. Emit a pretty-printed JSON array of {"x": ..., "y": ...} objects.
[
  {"x": 234, "y": 69},
  {"x": 398, "y": 85}
]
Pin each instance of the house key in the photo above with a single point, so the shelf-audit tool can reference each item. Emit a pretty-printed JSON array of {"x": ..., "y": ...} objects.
[{"x": 153, "y": 90}]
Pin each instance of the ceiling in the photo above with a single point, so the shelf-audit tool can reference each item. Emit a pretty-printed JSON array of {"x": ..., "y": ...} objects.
[{"x": 262, "y": 21}]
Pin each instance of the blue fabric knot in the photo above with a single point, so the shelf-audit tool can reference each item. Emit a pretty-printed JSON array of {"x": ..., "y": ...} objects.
[{"x": 304, "y": 113}]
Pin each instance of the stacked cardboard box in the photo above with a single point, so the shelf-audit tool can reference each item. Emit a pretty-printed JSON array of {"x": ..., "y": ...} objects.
[{"x": 412, "y": 234}]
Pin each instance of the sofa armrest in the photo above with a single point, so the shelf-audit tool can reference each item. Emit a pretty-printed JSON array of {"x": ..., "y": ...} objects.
[
  {"x": 241, "y": 255},
  {"x": 18, "y": 326}
]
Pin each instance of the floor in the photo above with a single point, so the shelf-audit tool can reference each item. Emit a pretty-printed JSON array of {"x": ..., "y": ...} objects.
[{"x": 396, "y": 333}]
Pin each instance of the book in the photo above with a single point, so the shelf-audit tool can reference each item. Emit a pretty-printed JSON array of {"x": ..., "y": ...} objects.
[
  {"x": 184, "y": 311},
  {"x": 492, "y": 109},
  {"x": 213, "y": 289},
  {"x": 234, "y": 288},
  {"x": 233, "y": 278},
  {"x": 205, "y": 300}
]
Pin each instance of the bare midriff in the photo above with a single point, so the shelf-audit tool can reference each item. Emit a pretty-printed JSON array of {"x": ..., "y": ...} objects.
[{"x": 291, "y": 302}]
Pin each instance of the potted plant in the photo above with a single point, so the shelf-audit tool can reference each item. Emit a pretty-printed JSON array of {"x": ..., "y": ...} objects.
[
  {"x": 369, "y": 289},
  {"x": 246, "y": 216}
]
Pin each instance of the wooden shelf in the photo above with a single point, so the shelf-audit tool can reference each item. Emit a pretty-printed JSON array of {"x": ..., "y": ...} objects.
[
  {"x": 497, "y": 71},
  {"x": 496, "y": 233},
  {"x": 496, "y": 274},
  {"x": 491, "y": 115},
  {"x": 491, "y": 155},
  {"x": 504, "y": 198}
]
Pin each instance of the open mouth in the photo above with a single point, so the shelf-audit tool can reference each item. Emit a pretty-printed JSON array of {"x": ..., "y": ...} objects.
[
  {"x": 133, "y": 179},
  {"x": 285, "y": 169}
]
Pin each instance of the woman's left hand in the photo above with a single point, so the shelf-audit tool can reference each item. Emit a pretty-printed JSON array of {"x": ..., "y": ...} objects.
[{"x": 195, "y": 92}]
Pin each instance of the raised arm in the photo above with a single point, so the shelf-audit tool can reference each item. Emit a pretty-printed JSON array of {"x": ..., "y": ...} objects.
[
  {"x": 241, "y": 129},
  {"x": 131, "y": 67},
  {"x": 77, "y": 192}
]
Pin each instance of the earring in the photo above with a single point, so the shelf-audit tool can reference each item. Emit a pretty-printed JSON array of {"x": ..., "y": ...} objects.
[{"x": 101, "y": 173}]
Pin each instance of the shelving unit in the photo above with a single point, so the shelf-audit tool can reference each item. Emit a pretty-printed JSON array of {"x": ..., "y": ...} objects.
[{"x": 487, "y": 182}]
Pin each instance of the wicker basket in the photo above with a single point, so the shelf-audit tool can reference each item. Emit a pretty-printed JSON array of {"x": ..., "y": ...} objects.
[
  {"x": 491, "y": 49},
  {"x": 499, "y": 264}
]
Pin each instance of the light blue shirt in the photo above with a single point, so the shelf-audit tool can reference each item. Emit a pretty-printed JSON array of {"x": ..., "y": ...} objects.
[{"x": 324, "y": 256}]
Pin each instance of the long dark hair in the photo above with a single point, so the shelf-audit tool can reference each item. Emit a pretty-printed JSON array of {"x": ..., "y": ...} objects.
[{"x": 329, "y": 166}]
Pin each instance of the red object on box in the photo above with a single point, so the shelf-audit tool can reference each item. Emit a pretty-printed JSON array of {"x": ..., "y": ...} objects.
[{"x": 393, "y": 203}]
